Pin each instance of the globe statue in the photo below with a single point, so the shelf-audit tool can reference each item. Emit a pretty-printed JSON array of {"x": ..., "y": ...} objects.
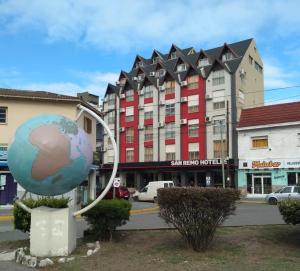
[{"x": 50, "y": 155}]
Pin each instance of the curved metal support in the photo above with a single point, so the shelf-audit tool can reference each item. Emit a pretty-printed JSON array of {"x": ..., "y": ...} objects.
[
  {"x": 115, "y": 167},
  {"x": 23, "y": 206}
]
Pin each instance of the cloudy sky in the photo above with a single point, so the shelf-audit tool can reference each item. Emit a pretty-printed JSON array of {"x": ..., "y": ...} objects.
[{"x": 67, "y": 46}]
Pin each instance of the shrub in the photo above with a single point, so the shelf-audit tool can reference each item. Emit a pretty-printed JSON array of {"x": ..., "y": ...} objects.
[
  {"x": 196, "y": 212},
  {"x": 22, "y": 218},
  {"x": 106, "y": 216},
  {"x": 290, "y": 211}
]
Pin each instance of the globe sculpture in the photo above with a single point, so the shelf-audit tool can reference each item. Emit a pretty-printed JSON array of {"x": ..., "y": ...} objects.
[{"x": 50, "y": 155}]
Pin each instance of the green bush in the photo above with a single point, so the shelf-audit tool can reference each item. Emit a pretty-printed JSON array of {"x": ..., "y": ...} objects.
[
  {"x": 290, "y": 211},
  {"x": 196, "y": 212},
  {"x": 22, "y": 218},
  {"x": 106, "y": 216}
]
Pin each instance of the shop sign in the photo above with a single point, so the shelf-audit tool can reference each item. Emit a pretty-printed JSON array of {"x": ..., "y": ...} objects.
[
  {"x": 266, "y": 164},
  {"x": 210, "y": 162},
  {"x": 3, "y": 153}
]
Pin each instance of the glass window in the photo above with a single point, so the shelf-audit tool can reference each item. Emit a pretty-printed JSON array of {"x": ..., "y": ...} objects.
[
  {"x": 170, "y": 130},
  {"x": 140, "y": 77},
  {"x": 170, "y": 109},
  {"x": 218, "y": 78},
  {"x": 148, "y": 154},
  {"x": 148, "y": 115},
  {"x": 111, "y": 98},
  {"x": 219, "y": 105},
  {"x": 193, "y": 151},
  {"x": 250, "y": 60},
  {"x": 260, "y": 142},
  {"x": 297, "y": 189},
  {"x": 193, "y": 103},
  {"x": 160, "y": 73},
  {"x": 293, "y": 178},
  {"x": 170, "y": 87},
  {"x": 227, "y": 56},
  {"x": 203, "y": 62},
  {"x": 192, "y": 82},
  {"x": 3, "y": 114},
  {"x": 111, "y": 117},
  {"x": 287, "y": 189},
  {"x": 129, "y": 95},
  {"x": 129, "y": 155},
  {"x": 173, "y": 55},
  {"x": 129, "y": 135},
  {"x": 148, "y": 132},
  {"x": 194, "y": 130},
  {"x": 181, "y": 67},
  {"x": 257, "y": 67},
  {"x": 148, "y": 91},
  {"x": 87, "y": 124},
  {"x": 129, "y": 113},
  {"x": 170, "y": 156},
  {"x": 219, "y": 126},
  {"x": 218, "y": 148},
  {"x": 155, "y": 59}
]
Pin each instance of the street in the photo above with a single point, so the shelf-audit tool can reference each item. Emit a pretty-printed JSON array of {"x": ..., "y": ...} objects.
[{"x": 245, "y": 214}]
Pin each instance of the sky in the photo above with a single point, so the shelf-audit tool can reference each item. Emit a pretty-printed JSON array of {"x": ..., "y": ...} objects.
[{"x": 70, "y": 46}]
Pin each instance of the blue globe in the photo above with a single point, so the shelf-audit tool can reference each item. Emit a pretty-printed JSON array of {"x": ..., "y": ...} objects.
[{"x": 50, "y": 155}]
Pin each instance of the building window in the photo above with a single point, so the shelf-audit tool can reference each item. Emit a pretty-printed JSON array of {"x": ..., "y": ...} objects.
[
  {"x": 170, "y": 109},
  {"x": 203, "y": 62},
  {"x": 218, "y": 149},
  {"x": 148, "y": 132},
  {"x": 193, "y": 151},
  {"x": 181, "y": 67},
  {"x": 170, "y": 152},
  {"x": 148, "y": 91},
  {"x": 219, "y": 126},
  {"x": 3, "y": 151},
  {"x": 129, "y": 113},
  {"x": 192, "y": 82},
  {"x": 87, "y": 125},
  {"x": 129, "y": 95},
  {"x": 257, "y": 67},
  {"x": 173, "y": 55},
  {"x": 170, "y": 130},
  {"x": 129, "y": 155},
  {"x": 140, "y": 77},
  {"x": 250, "y": 60},
  {"x": 193, "y": 129},
  {"x": 260, "y": 142},
  {"x": 218, "y": 78},
  {"x": 3, "y": 114},
  {"x": 293, "y": 178},
  {"x": 148, "y": 154},
  {"x": 193, "y": 103},
  {"x": 170, "y": 87},
  {"x": 111, "y": 117},
  {"x": 219, "y": 105},
  {"x": 111, "y": 98},
  {"x": 227, "y": 56},
  {"x": 155, "y": 60},
  {"x": 129, "y": 135},
  {"x": 148, "y": 115}
]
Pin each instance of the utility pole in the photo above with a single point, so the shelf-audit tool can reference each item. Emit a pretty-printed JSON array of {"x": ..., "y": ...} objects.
[{"x": 222, "y": 153}]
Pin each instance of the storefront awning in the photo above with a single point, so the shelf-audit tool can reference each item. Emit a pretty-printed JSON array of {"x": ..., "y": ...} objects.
[{"x": 3, "y": 163}]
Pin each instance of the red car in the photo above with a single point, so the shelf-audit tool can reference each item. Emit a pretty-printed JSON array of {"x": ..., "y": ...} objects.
[{"x": 120, "y": 193}]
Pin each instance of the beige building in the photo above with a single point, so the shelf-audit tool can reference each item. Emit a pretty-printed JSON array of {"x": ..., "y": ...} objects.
[{"x": 18, "y": 106}]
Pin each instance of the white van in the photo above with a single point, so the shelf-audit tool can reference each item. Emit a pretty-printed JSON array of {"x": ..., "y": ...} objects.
[{"x": 149, "y": 192}]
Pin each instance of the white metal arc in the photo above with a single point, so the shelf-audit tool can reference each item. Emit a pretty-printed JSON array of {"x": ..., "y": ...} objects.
[
  {"x": 115, "y": 167},
  {"x": 114, "y": 172}
]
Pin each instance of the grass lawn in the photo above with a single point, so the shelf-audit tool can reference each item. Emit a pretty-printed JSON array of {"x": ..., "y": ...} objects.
[{"x": 234, "y": 248}]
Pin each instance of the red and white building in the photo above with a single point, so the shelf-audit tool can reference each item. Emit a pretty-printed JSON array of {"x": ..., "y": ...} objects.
[{"x": 172, "y": 112}]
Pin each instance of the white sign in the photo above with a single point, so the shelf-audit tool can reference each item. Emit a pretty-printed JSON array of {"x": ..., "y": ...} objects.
[
  {"x": 269, "y": 163},
  {"x": 197, "y": 162},
  {"x": 2, "y": 180},
  {"x": 116, "y": 184}
]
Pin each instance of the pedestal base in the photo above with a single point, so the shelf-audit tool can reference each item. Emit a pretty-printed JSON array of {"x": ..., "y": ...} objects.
[{"x": 52, "y": 232}]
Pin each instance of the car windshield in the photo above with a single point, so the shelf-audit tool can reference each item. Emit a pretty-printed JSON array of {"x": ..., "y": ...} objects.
[{"x": 279, "y": 190}]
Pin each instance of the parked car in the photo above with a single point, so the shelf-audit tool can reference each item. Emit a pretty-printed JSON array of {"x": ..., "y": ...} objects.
[
  {"x": 149, "y": 192},
  {"x": 287, "y": 192},
  {"x": 121, "y": 192}
]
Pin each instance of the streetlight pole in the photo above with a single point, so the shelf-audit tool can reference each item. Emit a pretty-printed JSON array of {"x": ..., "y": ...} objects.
[{"x": 222, "y": 153}]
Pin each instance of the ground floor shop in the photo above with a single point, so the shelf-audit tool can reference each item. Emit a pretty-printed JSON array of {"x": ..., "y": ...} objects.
[
  {"x": 8, "y": 186},
  {"x": 258, "y": 178},
  {"x": 204, "y": 173}
]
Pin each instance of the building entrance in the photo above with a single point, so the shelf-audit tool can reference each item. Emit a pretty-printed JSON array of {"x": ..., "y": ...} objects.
[{"x": 258, "y": 184}]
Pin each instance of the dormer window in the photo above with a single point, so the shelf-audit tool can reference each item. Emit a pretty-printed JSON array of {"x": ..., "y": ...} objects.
[
  {"x": 203, "y": 62},
  {"x": 122, "y": 81},
  {"x": 181, "y": 67},
  {"x": 141, "y": 76},
  {"x": 173, "y": 55},
  {"x": 155, "y": 60},
  {"x": 160, "y": 73},
  {"x": 227, "y": 56}
]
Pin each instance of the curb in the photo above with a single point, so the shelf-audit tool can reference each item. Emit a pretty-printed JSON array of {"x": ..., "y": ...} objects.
[{"x": 252, "y": 201}]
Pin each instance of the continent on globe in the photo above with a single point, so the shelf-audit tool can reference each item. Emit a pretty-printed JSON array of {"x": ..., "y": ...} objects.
[
  {"x": 54, "y": 150},
  {"x": 50, "y": 155}
]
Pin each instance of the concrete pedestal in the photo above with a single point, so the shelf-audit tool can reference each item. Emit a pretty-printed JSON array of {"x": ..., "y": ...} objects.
[{"x": 52, "y": 232}]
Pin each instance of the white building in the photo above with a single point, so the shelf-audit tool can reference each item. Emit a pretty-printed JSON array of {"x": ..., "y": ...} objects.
[{"x": 269, "y": 148}]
